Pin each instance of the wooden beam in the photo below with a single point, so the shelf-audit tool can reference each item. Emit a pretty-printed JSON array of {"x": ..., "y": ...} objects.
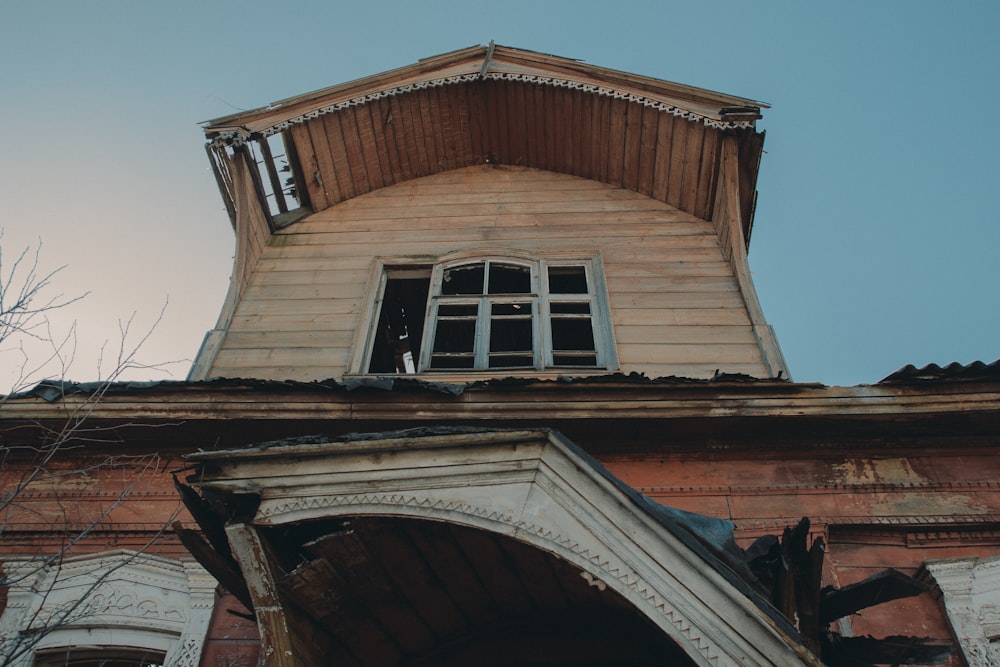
[
  {"x": 885, "y": 586},
  {"x": 248, "y": 549}
]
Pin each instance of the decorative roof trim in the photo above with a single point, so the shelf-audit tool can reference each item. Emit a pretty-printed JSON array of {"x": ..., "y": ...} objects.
[{"x": 235, "y": 137}]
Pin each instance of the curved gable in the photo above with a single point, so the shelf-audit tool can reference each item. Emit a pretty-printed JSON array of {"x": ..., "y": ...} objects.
[{"x": 498, "y": 105}]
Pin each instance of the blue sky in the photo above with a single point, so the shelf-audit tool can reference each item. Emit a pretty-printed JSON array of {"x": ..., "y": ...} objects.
[{"x": 876, "y": 229}]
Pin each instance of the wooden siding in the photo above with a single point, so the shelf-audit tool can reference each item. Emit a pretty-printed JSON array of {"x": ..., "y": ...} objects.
[
  {"x": 253, "y": 232},
  {"x": 675, "y": 305}
]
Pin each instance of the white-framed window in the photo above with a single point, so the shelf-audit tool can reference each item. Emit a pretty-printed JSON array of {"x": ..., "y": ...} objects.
[
  {"x": 492, "y": 313},
  {"x": 114, "y": 608}
]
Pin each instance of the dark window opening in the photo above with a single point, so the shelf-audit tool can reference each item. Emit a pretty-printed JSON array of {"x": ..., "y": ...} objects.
[
  {"x": 400, "y": 324},
  {"x": 573, "y": 340},
  {"x": 509, "y": 279},
  {"x": 568, "y": 280},
  {"x": 455, "y": 336},
  {"x": 511, "y": 336},
  {"x": 106, "y": 657},
  {"x": 464, "y": 280}
]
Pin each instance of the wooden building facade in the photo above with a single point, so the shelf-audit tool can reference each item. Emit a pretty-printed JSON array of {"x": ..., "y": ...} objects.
[{"x": 492, "y": 386}]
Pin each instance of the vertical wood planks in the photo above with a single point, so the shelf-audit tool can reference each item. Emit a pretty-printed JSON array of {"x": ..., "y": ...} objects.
[
  {"x": 341, "y": 166},
  {"x": 623, "y": 143},
  {"x": 647, "y": 151},
  {"x": 309, "y": 163},
  {"x": 692, "y": 165},
  {"x": 384, "y": 138},
  {"x": 354, "y": 143},
  {"x": 633, "y": 147}
]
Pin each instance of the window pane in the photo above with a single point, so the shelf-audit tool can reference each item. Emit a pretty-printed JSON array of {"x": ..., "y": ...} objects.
[
  {"x": 466, "y": 279},
  {"x": 574, "y": 360},
  {"x": 511, "y": 361},
  {"x": 509, "y": 279},
  {"x": 568, "y": 280},
  {"x": 458, "y": 310},
  {"x": 457, "y": 361},
  {"x": 455, "y": 336},
  {"x": 523, "y": 309},
  {"x": 511, "y": 335},
  {"x": 570, "y": 308},
  {"x": 572, "y": 334}
]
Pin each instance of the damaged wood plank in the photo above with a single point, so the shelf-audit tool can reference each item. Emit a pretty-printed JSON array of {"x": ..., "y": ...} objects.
[
  {"x": 318, "y": 589},
  {"x": 868, "y": 651},
  {"x": 371, "y": 586},
  {"x": 219, "y": 566},
  {"x": 885, "y": 586},
  {"x": 276, "y": 641}
]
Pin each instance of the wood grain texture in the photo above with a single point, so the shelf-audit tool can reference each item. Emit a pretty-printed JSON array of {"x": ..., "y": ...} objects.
[{"x": 676, "y": 308}]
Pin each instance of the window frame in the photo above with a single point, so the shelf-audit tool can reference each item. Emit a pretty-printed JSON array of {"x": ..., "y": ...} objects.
[
  {"x": 483, "y": 320},
  {"x": 540, "y": 296}
]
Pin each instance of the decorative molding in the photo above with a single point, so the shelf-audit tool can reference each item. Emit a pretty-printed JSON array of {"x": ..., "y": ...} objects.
[
  {"x": 120, "y": 597},
  {"x": 539, "y": 492},
  {"x": 610, "y": 567},
  {"x": 971, "y": 591},
  {"x": 235, "y": 138},
  {"x": 821, "y": 488}
]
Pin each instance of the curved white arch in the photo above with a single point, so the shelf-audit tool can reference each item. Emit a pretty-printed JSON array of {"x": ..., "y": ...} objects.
[{"x": 534, "y": 487}]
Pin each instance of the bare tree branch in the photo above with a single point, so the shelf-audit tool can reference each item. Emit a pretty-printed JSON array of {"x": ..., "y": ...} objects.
[{"x": 69, "y": 451}]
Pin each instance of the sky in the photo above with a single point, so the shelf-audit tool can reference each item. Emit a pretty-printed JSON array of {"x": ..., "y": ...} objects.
[{"x": 876, "y": 231}]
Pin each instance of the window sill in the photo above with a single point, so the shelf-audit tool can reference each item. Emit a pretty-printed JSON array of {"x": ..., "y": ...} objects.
[{"x": 468, "y": 377}]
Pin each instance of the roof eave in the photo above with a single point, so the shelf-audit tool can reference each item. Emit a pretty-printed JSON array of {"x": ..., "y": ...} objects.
[{"x": 488, "y": 60}]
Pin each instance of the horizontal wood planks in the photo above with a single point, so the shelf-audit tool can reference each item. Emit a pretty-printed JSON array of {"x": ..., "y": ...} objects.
[
  {"x": 675, "y": 305},
  {"x": 429, "y": 131}
]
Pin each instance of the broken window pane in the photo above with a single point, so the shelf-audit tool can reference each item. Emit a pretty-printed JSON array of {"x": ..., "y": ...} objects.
[
  {"x": 277, "y": 166},
  {"x": 466, "y": 279}
]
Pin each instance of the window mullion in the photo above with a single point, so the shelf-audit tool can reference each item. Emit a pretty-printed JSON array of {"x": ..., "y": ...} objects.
[
  {"x": 430, "y": 332},
  {"x": 544, "y": 353},
  {"x": 600, "y": 317},
  {"x": 482, "y": 341},
  {"x": 431, "y": 320}
]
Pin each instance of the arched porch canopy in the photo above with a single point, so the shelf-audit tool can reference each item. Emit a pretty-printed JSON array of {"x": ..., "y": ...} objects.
[
  {"x": 323, "y": 522},
  {"x": 499, "y": 105}
]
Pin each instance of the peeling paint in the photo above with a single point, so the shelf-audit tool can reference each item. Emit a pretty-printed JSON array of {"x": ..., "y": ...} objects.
[{"x": 876, "y": 471}]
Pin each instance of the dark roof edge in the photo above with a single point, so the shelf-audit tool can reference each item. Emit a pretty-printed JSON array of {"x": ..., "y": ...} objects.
[
  {"x": 52, "y": 390},
  {"x": 731, "y": 104},
  {"x": 976, "y": 370}
]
